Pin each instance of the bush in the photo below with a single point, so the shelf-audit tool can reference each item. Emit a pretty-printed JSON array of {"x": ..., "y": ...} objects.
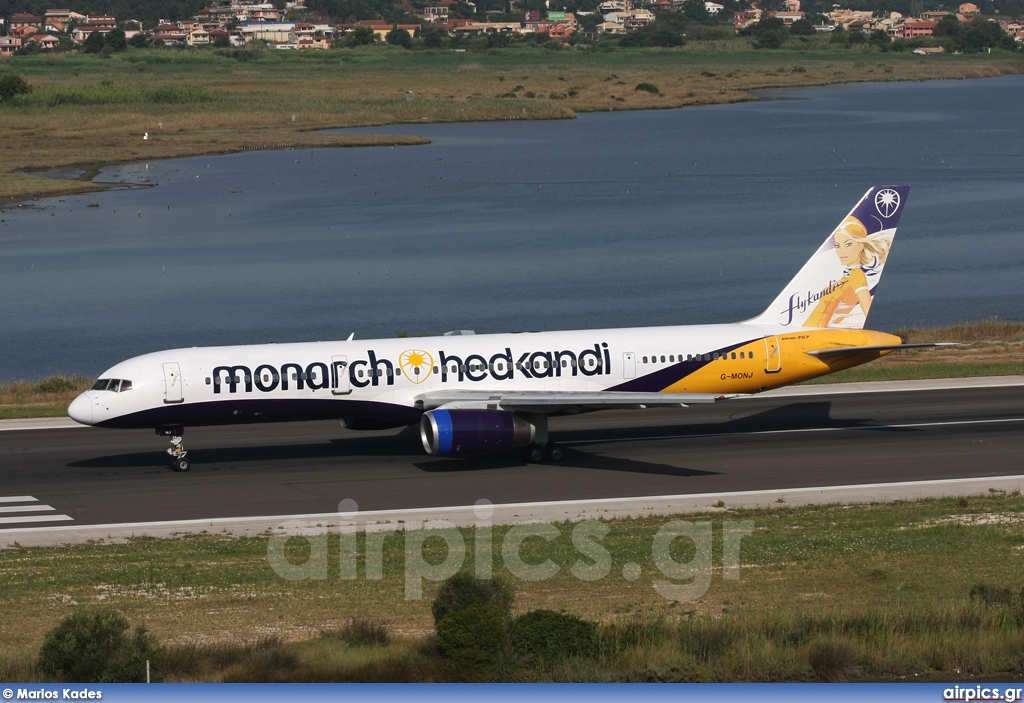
[
  {"x": 359, "y": 631},
  {"x": 550, "y": 637},
  {"x": 473, "y": 636},
  {"x": 647, "y": 87},
  {"x": 58, "y": 384},
  {"x": 93, "y": 645},
  {"x": 11, "y": 86},
  {"x": 462, "y": 591}
]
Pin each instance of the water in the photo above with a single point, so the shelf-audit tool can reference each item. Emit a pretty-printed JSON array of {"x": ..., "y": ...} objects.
[{"x": 612, "y": 219}]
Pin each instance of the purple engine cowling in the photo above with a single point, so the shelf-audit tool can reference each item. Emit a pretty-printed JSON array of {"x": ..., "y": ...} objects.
[{"x": 473, "y": 432}]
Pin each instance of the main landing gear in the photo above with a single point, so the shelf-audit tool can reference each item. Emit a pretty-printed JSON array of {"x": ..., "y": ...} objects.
[
  {"x": 537, "y": 453},
  {"x": 177, "y": 451},
  {"x": 541, "y": 449}
]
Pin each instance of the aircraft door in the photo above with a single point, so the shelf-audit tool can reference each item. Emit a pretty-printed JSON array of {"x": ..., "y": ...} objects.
[
  {"x": 628, "y": 365},
  {"x": 173, "y": 391},
  {"x": 340, "y": 381},
  {"x": 773, "y": 355}
]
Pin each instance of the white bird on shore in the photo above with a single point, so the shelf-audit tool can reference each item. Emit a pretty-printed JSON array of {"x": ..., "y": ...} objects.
[{"x": 145, "y": 137}]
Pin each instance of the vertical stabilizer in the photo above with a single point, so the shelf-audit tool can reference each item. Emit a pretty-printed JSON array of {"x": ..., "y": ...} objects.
[{"x": 835, "y": 288}]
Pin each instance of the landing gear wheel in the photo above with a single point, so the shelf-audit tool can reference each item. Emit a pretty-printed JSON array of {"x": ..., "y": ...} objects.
[
  {"x": 535, "y": 454},
  {"x": 181, "y": 465},
  {"x": 555, "y": 452}
]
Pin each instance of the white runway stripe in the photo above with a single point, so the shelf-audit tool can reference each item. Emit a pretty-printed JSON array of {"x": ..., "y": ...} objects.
[
  {"x": 34, "y": 518},
  {"x": 25, "y": 508},
  {"x": 18, "y": 499}
]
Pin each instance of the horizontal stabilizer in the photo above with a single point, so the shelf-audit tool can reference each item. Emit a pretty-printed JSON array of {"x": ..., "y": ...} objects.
[
  {"x": 546, "y": 402},
  {"x": 848, "y": 351}
]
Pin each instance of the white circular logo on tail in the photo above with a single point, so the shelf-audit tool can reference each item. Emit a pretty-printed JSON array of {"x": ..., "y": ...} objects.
[{"x": 887, "y": 202}]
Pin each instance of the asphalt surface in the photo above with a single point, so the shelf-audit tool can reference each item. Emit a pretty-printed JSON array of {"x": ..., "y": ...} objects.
[{"x": 89, "y": 476}]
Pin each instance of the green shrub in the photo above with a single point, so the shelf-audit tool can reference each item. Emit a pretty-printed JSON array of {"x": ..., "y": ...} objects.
[
  {"x": 647, "y": 87},
  {"x": 58, "y": 384},
  {"x": 472, "y": 637},
  {"x": 359, "y": 631},
  {"x": 93, "y": 645},
  {"x": 833, "y": 658},
  {"x": 548, "y": 636},
  {"x": 11, "y": 86},
  {"x": 463, "y": 590}
]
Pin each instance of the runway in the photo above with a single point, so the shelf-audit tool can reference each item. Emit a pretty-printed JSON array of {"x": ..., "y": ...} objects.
[{"x": 75, "y": 477}]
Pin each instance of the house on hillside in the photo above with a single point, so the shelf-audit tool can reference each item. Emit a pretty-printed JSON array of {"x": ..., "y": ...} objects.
[
  {"x": 45, "y": 41},
  {"x": 435, "y": 14},
  {"x": 968, "y": 11},
  {"x": 20, "y": 20},
  {"x": 8, "y": 45},
  {"x": 912, "y": 29}
]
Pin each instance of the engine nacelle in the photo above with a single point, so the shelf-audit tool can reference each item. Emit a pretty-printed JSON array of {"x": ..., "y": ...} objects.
[{"x": 473, "y": 432}]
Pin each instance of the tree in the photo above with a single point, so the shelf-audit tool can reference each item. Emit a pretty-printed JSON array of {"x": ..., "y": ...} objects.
[
  {"x": 769, "y": 33},
  {"x": 139, "y": 41},
  {"x": 433, "y": 38},
  {"x": 94, "y": 43},
  {"x": 802, "y": 27},
  {"x": 223, "y": 41},
  {"x": 697, "y": 11},
  {"x": 399, "y": 37},
  {"x": 880, "y": 39},
  {"x": 11, "y": 86},
  {"x": 361, "y": 36},
  {"x": 116, "y": 40}
]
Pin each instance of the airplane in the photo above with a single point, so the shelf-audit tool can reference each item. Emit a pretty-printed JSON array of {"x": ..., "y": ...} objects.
[{"x": 475, "y": 394}]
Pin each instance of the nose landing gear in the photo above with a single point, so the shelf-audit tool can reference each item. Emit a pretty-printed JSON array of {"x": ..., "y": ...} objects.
[{"x": 177, "y": 451}]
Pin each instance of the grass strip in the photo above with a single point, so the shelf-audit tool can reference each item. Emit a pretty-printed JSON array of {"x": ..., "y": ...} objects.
[{"x": 927, "y": 589}]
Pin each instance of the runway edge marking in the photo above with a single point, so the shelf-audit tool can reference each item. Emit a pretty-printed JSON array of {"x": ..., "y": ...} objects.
[{"x": 518, "y": 513}]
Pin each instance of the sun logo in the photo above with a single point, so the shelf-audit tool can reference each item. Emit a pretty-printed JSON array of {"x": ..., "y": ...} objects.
[{"x": 417, "y": 364}]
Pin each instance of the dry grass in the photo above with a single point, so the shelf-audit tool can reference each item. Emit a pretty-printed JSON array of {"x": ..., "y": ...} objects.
[
  {"x": 244, "y": 105},
  {"x": 825, "y": 593},
  {"x": 46, "y": 398}
]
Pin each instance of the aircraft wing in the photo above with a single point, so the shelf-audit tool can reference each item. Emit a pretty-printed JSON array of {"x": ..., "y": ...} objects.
[
  {"x": 548, "y": 402},
  {"x": 848, "y": 351}
]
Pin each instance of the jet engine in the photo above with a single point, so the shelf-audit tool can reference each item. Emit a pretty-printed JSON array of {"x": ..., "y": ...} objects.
[{"x": 473, "y": 432}]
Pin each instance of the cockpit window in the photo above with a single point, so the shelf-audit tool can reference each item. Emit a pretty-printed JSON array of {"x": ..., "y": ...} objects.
[{"x": 116, "y": 385}]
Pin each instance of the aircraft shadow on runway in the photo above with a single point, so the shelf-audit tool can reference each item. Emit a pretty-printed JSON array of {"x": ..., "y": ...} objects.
[{"x": 793, "y": 416}]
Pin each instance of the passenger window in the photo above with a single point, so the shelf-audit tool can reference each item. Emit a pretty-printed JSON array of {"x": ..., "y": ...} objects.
[
  {"x": 671, "y": 358},
  {"x": 645, "y": 359},
  {"x": 208, "y": 380},
  {"x": 750, "y": 355},
  {"x": 435, "y": 369},
  {"x": 734, "y": 355},
  {"x": 689, "y": 357},
  {"x": 743, "y": 355},
  {"x": 663, "y": 358}
]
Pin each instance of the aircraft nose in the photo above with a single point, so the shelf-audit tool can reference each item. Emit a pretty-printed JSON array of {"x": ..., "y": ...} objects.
[{"x": 80, "y": 409}]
